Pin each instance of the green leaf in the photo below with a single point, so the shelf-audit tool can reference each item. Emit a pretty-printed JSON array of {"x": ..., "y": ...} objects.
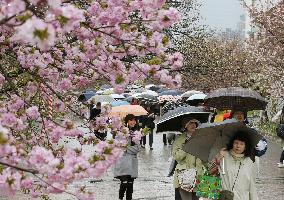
[{"x": 41, "y": 34}]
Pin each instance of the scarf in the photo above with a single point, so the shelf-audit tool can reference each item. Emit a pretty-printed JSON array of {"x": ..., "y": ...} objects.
[{"x": 236, "y": 156}]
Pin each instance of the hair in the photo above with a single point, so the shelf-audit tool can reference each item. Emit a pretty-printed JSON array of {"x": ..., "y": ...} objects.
[
  {"x": 238, "y": 110},
  {"x": 128, "y": 117},
  {"x": 98, "y": 104},
  {"x": 241, "y": 136}
]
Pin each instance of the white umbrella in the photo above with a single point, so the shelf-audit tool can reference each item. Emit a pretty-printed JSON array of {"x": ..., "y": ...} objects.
[
  {"x": 190, "y": 92},
  {"x": 150, "y": 92},
  {"x": 117, "y": 96},
  {"x": 148, "y": 86},
  {"x": 200, "y": 96}
]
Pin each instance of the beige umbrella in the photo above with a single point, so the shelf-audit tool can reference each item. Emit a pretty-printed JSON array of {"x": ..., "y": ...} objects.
[{"x": 122, "y": 111}]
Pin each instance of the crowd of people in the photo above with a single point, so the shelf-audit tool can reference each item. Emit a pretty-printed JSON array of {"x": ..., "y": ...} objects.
[{"x": 236, "y": 166}]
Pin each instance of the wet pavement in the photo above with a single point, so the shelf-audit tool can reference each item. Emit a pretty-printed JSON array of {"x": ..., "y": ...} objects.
[{"x": 153, "y": 182}]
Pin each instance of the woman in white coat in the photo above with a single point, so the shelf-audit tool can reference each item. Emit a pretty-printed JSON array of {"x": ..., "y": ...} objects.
[
  {"x": 126, "y": 168},
  {"x": 238, "y": 172}
]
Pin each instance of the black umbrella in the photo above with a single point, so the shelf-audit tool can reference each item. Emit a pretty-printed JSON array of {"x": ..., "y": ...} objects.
[
  {"x": 171, "y": 121},
  {"x": 210, "y": 138},
  {"x": 155, "y": 88},
  {"x": 228, "y": 98},
  {"x": 171, "y": 92}
]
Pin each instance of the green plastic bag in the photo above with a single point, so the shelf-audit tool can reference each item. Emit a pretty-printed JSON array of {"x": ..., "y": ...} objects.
[{"x": 208, "y": 186}]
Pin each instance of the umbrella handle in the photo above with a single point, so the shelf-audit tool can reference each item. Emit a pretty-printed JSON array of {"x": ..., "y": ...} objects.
[{"x": 223, "y": 166}]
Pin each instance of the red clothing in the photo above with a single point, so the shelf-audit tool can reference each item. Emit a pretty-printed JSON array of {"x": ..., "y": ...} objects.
[{"x": 226, "y": 116}]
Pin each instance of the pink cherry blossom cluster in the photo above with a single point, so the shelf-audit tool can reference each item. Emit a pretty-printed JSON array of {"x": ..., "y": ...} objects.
[{"x": 51, "y": 49}]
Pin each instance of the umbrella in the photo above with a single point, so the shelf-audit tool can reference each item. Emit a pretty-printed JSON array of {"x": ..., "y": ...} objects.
[
  {"x": 209, "y": 138},
  {"x": 171, "y": 121},
  {"x": 105, "y": 86},
  {"x": 86, "y": 96},
  {"x": 103, "y": 98},
  {"x": 147, "y": 97},
  {"x": 119, "y": 103},
  {"x": 190, "y": 93},
  {"x": 171, "y": 105},
  {"x": 164, "y": 98},
  {"x": 171, "y": 92},
  {"x": 196, "y": 99},
  {"x": 150, "y": 92},
  {"x": 162, "y": 90},
  {"x": 199, "y": 96},
  {"x": 122, "y": 111},
  {"x": 117, "y": 96},
  {"x": 155, "y": 88},
  {"x": 227, "y": 98}
]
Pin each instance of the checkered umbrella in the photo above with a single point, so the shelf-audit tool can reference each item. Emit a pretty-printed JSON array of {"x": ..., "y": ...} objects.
[
  {"x": 171, "y": 105},
  {"x": 228, "y": 98}
]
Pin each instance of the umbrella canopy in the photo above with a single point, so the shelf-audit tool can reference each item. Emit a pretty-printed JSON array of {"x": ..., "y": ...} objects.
[
  {"x": 150, "y": 92},
  {"x": 199, "y": 96},
  {"x": 86, "y": 96},
  {"x": 171, "y": 92},
  {"x": 122, "y": 111},
  {"x": 119, "y": 103},
  {"x": 105, "y": 86},
  {"x": 228, "y": 98},
  {"x": 117, "y": 96},
  {"x": 190, "y": 93},
  {"x": 103, "y": 98},
  {"x": 171, "y": 121},
  {"x": 210, "y": 138},
  {"x": 162, "y": 90},
  {"x": 171, "y": 105},
  {"x": 164, "y": 98},
  {"x": 147, "y": 97},
  {"x": 149, "y": 85},
  {"x": 155, "y": 88}
]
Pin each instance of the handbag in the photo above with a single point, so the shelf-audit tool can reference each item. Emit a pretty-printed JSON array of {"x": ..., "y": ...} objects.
[
  {"x": 280, "y": 131},
  {"x": 187, "y": 179},
  {"x": 227, "y": 194},
  {"x": 208, "y": 186}
]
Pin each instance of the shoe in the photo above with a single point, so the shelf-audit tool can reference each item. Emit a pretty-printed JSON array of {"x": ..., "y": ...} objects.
[
  {"x": 280, "y": 165},
  {"x": 151, "y": 148},
  {"x": 143, "y": 146}
]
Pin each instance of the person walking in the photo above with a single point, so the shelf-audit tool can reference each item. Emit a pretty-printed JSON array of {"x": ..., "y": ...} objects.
[
  {"x": 147, "y": 121},
  {"x": 126, "y": 168},
  {"x": 94, "y": 112},
  {"x": 185, "y": 160},
  {"x": 281, "y": 129},
  {"x": 260, "y": 149},
  {"x": 237, "y": 170}
]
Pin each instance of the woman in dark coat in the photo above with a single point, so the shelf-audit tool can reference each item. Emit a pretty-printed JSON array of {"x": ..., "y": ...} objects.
[{"x": 126, "y": 168}]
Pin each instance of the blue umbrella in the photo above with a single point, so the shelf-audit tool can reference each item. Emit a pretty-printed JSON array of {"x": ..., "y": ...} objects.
[
  {"x": 89, "y": 94},
  {"x": 119, "y": 103},
  {"x": 86, "y": 96}
]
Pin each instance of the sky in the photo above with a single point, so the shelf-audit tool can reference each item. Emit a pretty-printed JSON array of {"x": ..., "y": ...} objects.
[{"x": 221, "y": 14}]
